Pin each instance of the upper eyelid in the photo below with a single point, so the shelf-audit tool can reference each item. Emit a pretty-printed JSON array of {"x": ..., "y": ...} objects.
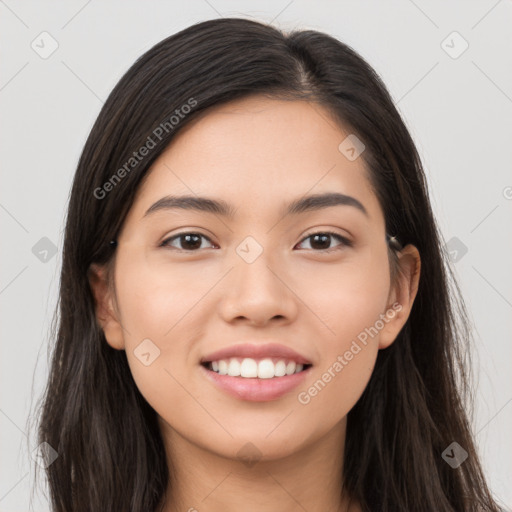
[
  {"x": 325, "y": 232},
  {"x": 177, "y": 235},
  {"x": 329, "y": 231}
]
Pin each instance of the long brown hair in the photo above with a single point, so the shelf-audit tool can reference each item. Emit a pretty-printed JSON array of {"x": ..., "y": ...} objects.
[{"x": 110, "y": 451}]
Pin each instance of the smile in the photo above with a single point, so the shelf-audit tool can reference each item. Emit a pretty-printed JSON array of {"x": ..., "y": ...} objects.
[
  {"x": 267, "y": 368},
  {"x": 253, "y": 388}
]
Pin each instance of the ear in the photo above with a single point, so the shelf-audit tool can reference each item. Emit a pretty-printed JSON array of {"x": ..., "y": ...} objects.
[
  {"x": 402, "y": 294},
  {"x": 106, "y": 315}
]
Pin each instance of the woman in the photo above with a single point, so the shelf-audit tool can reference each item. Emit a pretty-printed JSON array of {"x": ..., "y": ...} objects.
[{"x": 254, "y": 304}]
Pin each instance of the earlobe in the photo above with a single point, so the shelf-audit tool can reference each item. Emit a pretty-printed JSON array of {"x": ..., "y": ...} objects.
[
  {"x": 106, "y": 315},
  {"x": 402, "y": 294}
]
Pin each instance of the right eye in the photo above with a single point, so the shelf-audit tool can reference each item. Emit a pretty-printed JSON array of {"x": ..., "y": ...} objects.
[{"x": 189, "y": 241}]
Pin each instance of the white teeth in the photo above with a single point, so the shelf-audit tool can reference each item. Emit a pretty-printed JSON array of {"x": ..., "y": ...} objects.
[
  {"x": 266, "y": 369},
  {"x": 223, "y": 367},
  {"x": 250, "y": 368},
  {"x": 233, "y": 368},
  {"x": 290, "y": 368},
  {"x": 280, "y": 369}
]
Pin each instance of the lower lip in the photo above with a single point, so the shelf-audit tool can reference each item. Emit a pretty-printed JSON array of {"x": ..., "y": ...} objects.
[{"x": 254, "y": 389}]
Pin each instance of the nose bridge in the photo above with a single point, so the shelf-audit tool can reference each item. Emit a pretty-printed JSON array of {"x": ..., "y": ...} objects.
[
  {"x": 256, "y": 289},
  {"x": 256, "y": 265}
]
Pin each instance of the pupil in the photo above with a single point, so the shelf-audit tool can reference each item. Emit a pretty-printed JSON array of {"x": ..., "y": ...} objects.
[
  {"x": 325, "y": 238},
  {"x": 188, "y": 237}
]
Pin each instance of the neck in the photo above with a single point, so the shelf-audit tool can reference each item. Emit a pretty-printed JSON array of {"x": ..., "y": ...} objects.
[{"x": 308, "y": 479}]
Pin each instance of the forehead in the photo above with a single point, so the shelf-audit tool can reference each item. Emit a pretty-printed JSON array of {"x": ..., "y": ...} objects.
[{"x": 258, "y": 153}]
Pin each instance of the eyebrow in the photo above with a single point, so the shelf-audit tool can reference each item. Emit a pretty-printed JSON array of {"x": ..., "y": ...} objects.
[{"x": 219, "y": 207}]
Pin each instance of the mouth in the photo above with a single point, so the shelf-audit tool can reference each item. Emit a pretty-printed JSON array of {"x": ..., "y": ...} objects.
[
  {"x": 256, "y": 372},
  {"x": 251, "y": 368},
  {"x": 258, "y": 381}
]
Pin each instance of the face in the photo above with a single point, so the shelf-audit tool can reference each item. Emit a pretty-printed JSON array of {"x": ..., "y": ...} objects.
[{"x": 315, "y": 280}]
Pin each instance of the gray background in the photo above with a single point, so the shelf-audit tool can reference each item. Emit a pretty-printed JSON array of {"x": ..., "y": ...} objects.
[{"x": 457, "y": 107}]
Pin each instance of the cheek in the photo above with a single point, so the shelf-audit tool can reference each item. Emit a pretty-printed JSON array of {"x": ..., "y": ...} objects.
[
  {"x": 335, "y": 388},
  {"x": 158, "y": 307},
  {"x": 351, "y": 307},
  {"x": 350, "y": 303},
  {"x": 155, "y": 297},
  {"x": 347, "y": 297}
]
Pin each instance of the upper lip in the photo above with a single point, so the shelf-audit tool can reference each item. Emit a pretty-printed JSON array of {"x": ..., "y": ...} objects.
[{"x": 256, "y": 351}]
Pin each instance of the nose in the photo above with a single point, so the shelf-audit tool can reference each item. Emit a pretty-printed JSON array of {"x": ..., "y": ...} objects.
[{"x": 257, "y": 293}]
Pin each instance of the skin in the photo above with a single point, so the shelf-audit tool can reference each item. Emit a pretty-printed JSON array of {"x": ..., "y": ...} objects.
[{"x": 257, "y": 154}]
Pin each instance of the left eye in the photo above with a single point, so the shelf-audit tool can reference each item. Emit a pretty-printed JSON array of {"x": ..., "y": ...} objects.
[
  {"x": 192, "y": 241},
  {"x": 323, "y": 237}
]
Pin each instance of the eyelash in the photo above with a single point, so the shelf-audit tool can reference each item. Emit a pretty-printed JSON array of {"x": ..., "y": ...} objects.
[{"x": 345, "y": 241}]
